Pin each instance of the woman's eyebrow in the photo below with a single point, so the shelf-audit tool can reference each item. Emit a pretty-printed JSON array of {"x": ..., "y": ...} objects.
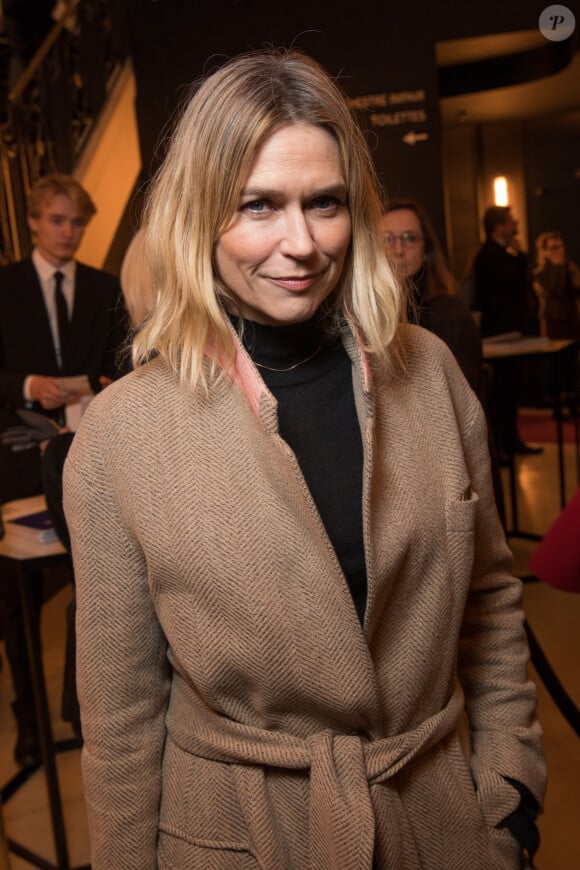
[
  {"x": 261, "y": 192},
  {"x": 271, "y": 193}
]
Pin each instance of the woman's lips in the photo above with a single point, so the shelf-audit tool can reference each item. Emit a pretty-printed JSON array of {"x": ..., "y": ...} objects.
[{"x": 295, "y": 284}]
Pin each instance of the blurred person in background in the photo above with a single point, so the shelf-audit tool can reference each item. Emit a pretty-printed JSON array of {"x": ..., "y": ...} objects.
[
  {"x": 556, "y": 282},
  {"x": 502, "y": 295},
  {"x": 411, "y": 241},
  {"x": 62, "y": 326}
]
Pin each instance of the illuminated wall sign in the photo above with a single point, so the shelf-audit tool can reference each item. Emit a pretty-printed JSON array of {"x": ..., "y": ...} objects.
[{"x": 372, "y": 103}]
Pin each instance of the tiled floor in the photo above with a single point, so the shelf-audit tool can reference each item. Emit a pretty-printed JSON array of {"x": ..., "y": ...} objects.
[{"x": 553, "y": 615}]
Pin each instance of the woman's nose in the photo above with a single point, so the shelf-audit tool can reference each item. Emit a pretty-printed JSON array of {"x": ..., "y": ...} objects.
[{"x": 297, "y": 240}]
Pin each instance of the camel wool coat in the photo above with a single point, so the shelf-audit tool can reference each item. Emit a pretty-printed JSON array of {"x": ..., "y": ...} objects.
[{"x": 235, "y": 712}]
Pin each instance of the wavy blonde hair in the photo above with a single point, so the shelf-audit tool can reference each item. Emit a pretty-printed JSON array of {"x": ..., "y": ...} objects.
[{"x": 196, "y": 192}]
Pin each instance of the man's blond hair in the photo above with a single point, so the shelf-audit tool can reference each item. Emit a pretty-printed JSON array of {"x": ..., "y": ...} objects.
[{"x": 49, "y": 186}]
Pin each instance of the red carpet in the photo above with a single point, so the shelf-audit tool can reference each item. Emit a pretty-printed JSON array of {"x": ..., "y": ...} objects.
[{"x": 541, "y": 428}]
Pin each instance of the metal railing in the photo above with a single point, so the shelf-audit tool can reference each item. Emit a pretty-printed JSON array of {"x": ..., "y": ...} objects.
[{"x": 52, "y": 109}]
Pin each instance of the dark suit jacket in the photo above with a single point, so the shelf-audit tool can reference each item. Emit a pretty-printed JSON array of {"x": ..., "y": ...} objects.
[
  {"x": 99, "y": 326},
  {"x": 98, "y": 329},
  {"x": 501, "y": 290}
]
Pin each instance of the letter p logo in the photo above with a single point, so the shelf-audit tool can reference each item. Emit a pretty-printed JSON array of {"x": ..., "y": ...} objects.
[{"x": 557, "y": 23}]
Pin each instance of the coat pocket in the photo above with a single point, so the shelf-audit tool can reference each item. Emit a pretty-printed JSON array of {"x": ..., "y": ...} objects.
[
  {"x": 460, "y": 527},
  {"x": 201, "y": 823},
  {"x": 460, "y": 513},
  {"x": 173, "y": 853}
]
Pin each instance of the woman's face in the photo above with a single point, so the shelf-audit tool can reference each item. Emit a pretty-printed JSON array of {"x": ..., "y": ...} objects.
[
  {"x": 284, "y": 251},
  {"x": 401, "y": 231},
  {"x": 555, "y": 251}
]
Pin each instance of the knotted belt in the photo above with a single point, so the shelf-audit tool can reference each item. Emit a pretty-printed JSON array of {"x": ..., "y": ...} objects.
[{"x": 342, "y": 769}]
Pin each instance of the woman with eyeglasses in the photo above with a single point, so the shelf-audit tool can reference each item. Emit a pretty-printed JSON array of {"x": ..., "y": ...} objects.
[
  {"x": 413, "y": 246},
  {"x": 299, "y": 641}
]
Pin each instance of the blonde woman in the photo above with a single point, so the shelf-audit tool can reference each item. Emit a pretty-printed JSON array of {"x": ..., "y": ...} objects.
[{"x": 300, "y": 644}]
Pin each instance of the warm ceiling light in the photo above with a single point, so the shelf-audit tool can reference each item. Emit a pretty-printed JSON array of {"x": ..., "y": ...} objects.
[{"x": 500, "y": 190}]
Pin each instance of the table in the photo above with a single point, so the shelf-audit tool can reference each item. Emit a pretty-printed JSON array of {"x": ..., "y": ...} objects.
[
  {"x": 537, "y": 346},
  {"x": 20, "y": 549}
]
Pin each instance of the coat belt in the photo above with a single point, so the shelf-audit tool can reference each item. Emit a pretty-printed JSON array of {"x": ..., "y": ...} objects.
[{"x": 342, "y": 769}]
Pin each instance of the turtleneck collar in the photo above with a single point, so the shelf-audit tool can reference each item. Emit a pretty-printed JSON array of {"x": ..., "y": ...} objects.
[{"x": 282, "y": 346}]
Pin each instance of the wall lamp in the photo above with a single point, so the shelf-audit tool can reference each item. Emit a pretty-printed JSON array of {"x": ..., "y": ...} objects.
[{"x": 500, "y": 190}]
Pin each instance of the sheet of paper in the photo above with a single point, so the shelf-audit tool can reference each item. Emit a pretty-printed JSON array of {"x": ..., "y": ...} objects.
[{"x": 77, "y": 384}]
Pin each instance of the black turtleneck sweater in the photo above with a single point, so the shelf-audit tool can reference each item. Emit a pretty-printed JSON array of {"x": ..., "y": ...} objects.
[{"x": 318, "y": 420}]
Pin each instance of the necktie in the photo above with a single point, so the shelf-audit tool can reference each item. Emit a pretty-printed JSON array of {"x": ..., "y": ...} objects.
[{"x": 61, "y": 311}]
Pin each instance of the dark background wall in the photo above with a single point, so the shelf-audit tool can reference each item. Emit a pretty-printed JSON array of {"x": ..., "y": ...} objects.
[
  {"x": 368, "y": 47},
  {"x": 382, "y": 52},
  {"x": 542, "y": 157},
  {"x": 553, "y": 176}
]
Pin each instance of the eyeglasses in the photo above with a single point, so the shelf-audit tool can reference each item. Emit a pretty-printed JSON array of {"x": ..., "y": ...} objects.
[{"x": 408, "y": 240}]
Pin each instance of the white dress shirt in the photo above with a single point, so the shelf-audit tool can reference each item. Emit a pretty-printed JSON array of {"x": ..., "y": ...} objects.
[{"x": 46, "y": 272}]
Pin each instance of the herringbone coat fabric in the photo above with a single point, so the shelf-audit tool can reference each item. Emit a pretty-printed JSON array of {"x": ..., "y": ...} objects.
[{"x": 235, "y": 712}]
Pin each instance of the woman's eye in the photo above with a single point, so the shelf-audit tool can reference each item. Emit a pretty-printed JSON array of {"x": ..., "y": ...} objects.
[
  {"x": 327, "y": 204},
  {"x": 256, "y": 206}
]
